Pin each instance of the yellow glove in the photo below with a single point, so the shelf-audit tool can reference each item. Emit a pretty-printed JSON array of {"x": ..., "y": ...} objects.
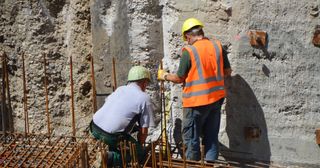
[{"x": 162, "y": 74}]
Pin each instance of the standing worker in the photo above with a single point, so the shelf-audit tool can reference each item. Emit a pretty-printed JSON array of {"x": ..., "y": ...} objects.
[
  {"x": 203, "y": 67},
  {"x": 121, "y": 111}
]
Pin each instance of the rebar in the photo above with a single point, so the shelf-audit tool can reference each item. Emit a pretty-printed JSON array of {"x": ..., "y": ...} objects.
[
  {"x": 25, "y": 100},
  {"x": 46, "y": 92},
  {"x": 114, "y": 74},
  {"x": 72, "y": 99},
  {"x": 36, "y": 151},
  {"x": 94, "y": 91}
]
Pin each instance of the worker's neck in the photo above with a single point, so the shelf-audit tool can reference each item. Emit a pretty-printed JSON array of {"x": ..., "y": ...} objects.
[{"x": 194, "y": 39}]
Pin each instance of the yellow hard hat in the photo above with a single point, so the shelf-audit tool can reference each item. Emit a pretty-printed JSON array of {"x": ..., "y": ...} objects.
[{"x": 188, "y": 24}]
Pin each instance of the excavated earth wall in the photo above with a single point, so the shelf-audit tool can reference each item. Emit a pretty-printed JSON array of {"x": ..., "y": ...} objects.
[
  {"x": 60, "y": 29},
  {"x": 275, "y": 89}
]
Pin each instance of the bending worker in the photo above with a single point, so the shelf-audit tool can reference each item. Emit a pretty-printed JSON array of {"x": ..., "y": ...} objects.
[
  {"x": 125, "y": 107},
  {"x": 203, "y": 66}
]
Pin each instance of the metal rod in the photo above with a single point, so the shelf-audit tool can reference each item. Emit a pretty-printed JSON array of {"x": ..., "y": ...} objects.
[
  {"x": 169, "y": 155},
  {"x": 46, "y": 92},
  {"x": 122, "y": 148},
  {"x": 125, "y": 152},
  {"x": 153, "y": 153},
  {"x": 3, "y": 95},
  {"x": 93, "y": 81},
  {"x": 114, "y": 74},
  {"x": 25, "y": 106},
  {"x": 160, "y": 154},
  {"x": 163, "y": 110},
  {"x": 135, "y": 159},
  {"x": 104, "y": 163},
  {"x": 131, "y": 159},
  {"x": 72, "y": 99},
  {"x": 184, "y": 155}
]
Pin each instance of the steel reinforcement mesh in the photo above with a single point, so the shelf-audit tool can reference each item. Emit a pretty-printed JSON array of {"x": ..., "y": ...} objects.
[{"x": 19, "y": 150}]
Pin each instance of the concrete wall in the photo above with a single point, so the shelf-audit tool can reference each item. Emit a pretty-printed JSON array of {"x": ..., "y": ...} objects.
[
  {"x": 60, "y": 29},
  {"x": 275, "y": 89}
]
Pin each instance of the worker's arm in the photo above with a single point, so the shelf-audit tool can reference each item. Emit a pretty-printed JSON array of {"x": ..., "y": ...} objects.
[
  {"x": 142, "y": 135},
  {"x": 226, "y": 64},
  {"x": 174, "y": 78},
  {"x": 183, "y": 70}
]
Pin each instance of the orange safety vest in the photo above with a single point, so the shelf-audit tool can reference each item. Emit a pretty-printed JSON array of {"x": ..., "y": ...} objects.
[{"x": 205, "y": 81}]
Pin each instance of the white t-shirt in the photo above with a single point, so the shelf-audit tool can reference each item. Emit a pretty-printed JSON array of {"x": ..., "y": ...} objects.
[{"x": 120, "y": 108}]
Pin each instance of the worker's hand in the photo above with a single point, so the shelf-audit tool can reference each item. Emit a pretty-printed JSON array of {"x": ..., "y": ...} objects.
[{"x": 162, "y": 74}]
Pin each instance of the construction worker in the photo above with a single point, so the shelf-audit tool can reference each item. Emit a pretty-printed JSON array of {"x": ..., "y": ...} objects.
[
  {"x": 203, "y": 66},
  {"x": 125, "y": 107}
]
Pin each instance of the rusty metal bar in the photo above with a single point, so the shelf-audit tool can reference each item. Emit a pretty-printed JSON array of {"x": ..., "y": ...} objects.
[
  {"x": 135, "y": 159},
  {"x": 153, "y": 155},
  {"x": 93, "y": 81},
  {"x": 46, "y": 92},
  {"x": 160, "y": 155},
  {"x": 25, "y": 106},
  {"x": 125, "y": 152},
  {"x": 169, "y": 155},
  {"x": 122, "y": 150},
  {"x": 130, "y": 149},
  {"x": 103, "y": 156},
  {"x": 72, "y": 99},
  {"x": 114, "y": 74},
  {"x": 184, "y": 155}
]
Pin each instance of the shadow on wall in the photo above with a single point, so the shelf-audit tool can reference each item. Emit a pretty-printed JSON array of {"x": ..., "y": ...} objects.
[{"x": 246, "y": 126}]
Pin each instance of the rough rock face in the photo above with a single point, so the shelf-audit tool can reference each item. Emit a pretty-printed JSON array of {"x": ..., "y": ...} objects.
[
  {"x": 61, "y": 29},
  {"x": 273, "y": 88}
]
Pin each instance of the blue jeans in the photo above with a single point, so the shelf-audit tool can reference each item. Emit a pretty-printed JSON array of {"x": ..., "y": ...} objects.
[{"x": 202, "y": 121}]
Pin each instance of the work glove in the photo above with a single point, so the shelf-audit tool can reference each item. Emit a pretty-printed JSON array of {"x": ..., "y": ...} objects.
[{"x": 161, "y": 74}]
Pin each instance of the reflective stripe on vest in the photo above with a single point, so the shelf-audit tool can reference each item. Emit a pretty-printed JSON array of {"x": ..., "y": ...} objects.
[{"x": 201, "y": 80}]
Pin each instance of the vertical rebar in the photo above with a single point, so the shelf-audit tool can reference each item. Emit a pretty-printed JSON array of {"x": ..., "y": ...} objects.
[
  {"x": 46, "y": 92},
  {"x": 84, "y": 155},
  {"x": 25, "y": 106},
  {"x": 169, "y": 155},
  {"x": 94, "y": 91},
  {"x": 122, "y": 148},
  {"x": 72, "y": 99},
  {"x": 131, "y": 153},
  {"x": 160, "y": 154},
  {"x": 163, "y": 111},
  {"x": 114, "y": 74},
  {"x": 103, "y": 156},
  {"x": 153, "y": 155},
  {"x": 3, "y": 95}
]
